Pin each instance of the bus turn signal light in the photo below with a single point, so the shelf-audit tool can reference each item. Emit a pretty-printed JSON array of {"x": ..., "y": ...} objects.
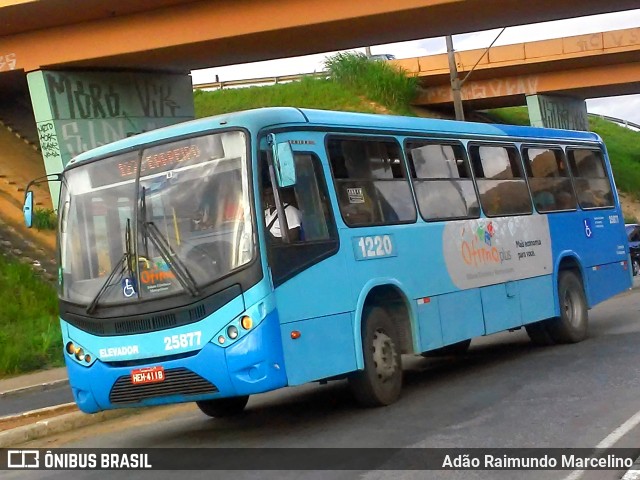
[
  {"x": 71, "y": 348},
  {"x": 295, "y": 334},
  {"x": 246, "y": 322}
]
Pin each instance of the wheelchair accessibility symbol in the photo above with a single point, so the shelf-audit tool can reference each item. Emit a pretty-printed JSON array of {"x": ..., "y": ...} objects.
[
  {"x": 128, "y": 288},
  {"x": 588, "y": 230}
]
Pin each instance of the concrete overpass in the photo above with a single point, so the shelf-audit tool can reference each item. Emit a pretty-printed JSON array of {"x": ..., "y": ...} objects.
[
  {"x": 585, "y": 66},
  {"x": 181, "y": 35}
]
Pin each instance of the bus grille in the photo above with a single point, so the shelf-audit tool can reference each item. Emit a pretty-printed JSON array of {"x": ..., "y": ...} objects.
[{"x": 178, "y": 381}]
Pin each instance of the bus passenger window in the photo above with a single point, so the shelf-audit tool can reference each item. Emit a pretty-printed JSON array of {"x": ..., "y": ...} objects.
[
  {"x": 549, "y": 180},
  {"x": 442, "y": 180},
  {"x": 501, "y": 185},
  {"x": 371, "y": 183},
  {"x": 590, "y": 178}
]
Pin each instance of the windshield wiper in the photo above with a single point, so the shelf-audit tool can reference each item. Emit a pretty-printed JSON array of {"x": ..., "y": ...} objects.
[
  {"x": 123, "y": 264},
  {"x": 175, "y": 264}
]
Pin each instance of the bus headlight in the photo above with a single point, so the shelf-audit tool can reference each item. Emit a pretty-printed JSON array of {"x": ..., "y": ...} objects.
[
  {"x": 78, "y": 352},
  {"x": 232, "y": 332}
]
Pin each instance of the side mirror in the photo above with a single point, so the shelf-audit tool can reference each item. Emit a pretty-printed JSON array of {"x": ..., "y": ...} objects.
[
  {"x": 27, "y": 209},
  {"x": 284, "y": 163}
]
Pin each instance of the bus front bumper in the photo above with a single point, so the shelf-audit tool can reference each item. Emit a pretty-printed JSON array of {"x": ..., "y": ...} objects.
[{"x": 254, "y": 364}]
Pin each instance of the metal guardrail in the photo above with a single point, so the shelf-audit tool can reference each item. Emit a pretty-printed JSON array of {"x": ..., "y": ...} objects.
[
  {"x": 257, "y": 81},
  {"x": 619, "y": 121}
]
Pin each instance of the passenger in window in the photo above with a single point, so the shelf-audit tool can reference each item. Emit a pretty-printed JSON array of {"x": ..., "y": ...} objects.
[
  {"x": 565, "y": 201},
  {"x": 544, "y": 201},
  {"x": 294, "y": 219}
]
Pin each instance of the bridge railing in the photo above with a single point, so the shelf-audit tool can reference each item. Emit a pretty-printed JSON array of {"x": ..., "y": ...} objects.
[{"x": 219, "y": 85}]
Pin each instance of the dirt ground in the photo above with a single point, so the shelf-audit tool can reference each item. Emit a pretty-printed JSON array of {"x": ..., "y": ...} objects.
[{"x": 630, "y": 207}]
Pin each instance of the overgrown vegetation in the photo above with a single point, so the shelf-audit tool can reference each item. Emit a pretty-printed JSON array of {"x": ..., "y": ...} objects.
[
  {"x": 622, "y": 145},
  {"x": 354, "y": 84},
  {"x": 382, "y": 82},
  {"x": 30, "y": 335},
  {"x": 44, "y": 219}
]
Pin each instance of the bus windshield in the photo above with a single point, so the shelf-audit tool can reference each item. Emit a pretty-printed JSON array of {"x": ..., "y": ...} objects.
[{"x": 156, "y": 221}]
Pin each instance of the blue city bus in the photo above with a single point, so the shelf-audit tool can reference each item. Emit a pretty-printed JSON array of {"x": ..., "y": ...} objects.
[{"x": 242, "y": 253}]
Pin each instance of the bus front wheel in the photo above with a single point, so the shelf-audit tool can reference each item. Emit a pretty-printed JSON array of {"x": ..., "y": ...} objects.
[
  {"x": 223, "y": 407},
  {"x": 380, "y": 382}
]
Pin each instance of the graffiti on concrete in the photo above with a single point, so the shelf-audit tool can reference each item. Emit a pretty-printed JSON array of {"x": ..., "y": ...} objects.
[
  {"x": 554, "y": 111},
  {"x": 8, "y": 61},
  {"x": 155, "y": 99},
  {"x": 500, "y": 87},
  {"x": 86, "y": 96},
  {"x": 48, "y": 140},
  {"x": 560, "y": 112}
]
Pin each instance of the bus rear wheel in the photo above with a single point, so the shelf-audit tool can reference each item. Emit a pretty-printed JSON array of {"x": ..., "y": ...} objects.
[
  {"x": 572, "y": 324},
  {"x": 223, "y": 407},
  {"x": 380, "y": 382}
]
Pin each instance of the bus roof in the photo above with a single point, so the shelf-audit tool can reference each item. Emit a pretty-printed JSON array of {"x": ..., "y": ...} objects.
[{"x": 261, "y": 118}]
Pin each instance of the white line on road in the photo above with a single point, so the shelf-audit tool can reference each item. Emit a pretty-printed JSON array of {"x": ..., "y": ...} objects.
[{"x": 610, "y": 440}]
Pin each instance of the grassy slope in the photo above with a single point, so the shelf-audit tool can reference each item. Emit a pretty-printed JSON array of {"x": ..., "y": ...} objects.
[
  {"x": 308, "y": 93},
  {"x": 29, "y": 328},
  {"x": 622, "y": 145}
]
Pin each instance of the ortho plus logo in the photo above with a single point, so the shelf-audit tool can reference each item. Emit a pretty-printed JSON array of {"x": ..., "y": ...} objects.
[
  {"x": 485, "y": 233},
  {"x": 23, "y": 459}
]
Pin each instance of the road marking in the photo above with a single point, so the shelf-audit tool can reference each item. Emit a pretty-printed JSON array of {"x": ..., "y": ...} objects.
[{"x": 610, "y": 440}]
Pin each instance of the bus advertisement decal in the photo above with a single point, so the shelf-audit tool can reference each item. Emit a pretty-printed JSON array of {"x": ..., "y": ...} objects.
[{"x": 488, "y": 251}]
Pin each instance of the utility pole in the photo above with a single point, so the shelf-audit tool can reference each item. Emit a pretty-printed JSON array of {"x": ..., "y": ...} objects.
[
  {"x": 367, "y": 51},
  {"x": 455, "y": 81}
]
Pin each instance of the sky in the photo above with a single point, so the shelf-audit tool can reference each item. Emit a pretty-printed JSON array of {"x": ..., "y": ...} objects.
[{"x": 626, "y": 107}]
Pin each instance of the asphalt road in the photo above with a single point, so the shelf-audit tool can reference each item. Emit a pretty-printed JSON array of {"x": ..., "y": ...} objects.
[
  {"x": 55, "y": 395},
  {"x": 504, "y": 393}
]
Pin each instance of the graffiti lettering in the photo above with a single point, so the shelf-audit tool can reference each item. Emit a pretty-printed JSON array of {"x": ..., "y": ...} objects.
[
  {"x": 155, "y": 99},
  {"x": 8, "y": 62},
  {"x": 81, "y": 99},
  {"x": 78, "y": 137},
  {"x": 563, "y": 113},
  {"x": 487, "y": 89},
  {"x": 48, "y": 140}
]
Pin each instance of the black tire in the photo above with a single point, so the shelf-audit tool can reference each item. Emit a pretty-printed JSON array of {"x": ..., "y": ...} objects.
[
  {"x": 380, "y": 383},
  {"x": 454, "y": 350},
  {"x": 223, "y": 407},
  {"x": 539, "y": 334},
  {"x": 572, "y": 324}
]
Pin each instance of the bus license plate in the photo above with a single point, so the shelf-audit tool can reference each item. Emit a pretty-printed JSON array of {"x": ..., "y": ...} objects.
[{"x": 147, "y": 375}]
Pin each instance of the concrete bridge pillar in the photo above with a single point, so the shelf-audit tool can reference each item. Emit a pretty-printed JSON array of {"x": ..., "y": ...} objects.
[
  {"x": 555, "y": 111},
  {"x": 76, "y": 111}
]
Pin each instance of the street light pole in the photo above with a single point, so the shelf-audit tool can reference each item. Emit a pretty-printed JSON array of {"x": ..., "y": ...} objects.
[{"x": 455, "y": 81}]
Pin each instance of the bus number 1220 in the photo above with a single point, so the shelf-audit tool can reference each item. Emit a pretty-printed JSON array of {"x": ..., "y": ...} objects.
[{"x": 377, "y": 246}]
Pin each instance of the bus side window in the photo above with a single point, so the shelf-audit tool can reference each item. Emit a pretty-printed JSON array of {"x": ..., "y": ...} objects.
[
  {"x": 318, "y": 237},
  {"x": 549, "y": 179},
  {"x": 501, "y": 184},
  {"x": 442, "y": 180},
  {"x": 590, "y": 178},
  {"x": 371, "y": 183}
]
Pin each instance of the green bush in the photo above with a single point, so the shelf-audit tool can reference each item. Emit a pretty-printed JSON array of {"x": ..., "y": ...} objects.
[
  {"x": 381, "y": 82},
  {"x": 45, "y": 219},
  {"x": 30, "y": 336}
]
